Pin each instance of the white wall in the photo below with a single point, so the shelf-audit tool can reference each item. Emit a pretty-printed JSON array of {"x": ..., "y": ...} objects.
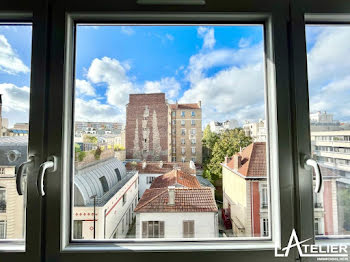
[
  {"x": 205, "y": 225},
  {"x": 143, "y": 182}
]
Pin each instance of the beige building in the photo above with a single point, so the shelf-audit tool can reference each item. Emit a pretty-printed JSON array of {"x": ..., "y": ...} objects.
[
  {"x": 13, "y": 152},
  {"x": 186, "y": 132},
  {"x": 256, "y": 130}
]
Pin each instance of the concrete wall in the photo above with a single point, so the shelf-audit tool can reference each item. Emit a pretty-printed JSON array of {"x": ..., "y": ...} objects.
[{"x": 205, "y": 223}]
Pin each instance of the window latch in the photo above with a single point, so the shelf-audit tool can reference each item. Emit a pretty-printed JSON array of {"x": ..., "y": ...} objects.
[
  {"x": 21, "y": 173},
  {"x": 50, "y": 166},
  {"x": 316, "y": 167}
]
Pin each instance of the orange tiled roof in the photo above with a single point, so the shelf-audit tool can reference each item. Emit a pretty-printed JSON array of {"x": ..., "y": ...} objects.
[
  {"x": 154, "y": 167},
  {"x": 185, "y": 106},
  {"x": 175, "y": 177},
  {"x": 186, "y": 200},
  {"x": 253, "y": 162}
]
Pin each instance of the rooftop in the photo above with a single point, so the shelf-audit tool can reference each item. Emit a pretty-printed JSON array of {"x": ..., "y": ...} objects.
[
  {"x": 186, "y": 200},
  {"x": 153, "y": 167},
  {"x": 176, "y": 178},
  {"x": 185, "y": 106}
]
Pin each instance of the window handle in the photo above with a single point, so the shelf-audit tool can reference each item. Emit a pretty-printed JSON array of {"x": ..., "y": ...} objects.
[
  {"x": 50, "y": 166},
  {"x": 20, "y": 175},
  {"x": 313, "y": 163}
]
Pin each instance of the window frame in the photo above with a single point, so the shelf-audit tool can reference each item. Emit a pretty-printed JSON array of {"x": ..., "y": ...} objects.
[{"x": 273, "y": 15}]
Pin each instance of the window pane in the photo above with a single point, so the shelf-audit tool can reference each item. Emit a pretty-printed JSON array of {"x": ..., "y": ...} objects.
[
  {"x": 15, "y": 56},
  {"x": 185, "y": 116},
  {"x": 328, "y": 73}
]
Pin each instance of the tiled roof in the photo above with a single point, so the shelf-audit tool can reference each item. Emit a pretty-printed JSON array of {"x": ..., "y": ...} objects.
[
  {"x": 186, "y": 200},
  {"x": 175, "y": 177},
  {"x": 154, "y": 167},
  {"x": 253, "y": 162},
  {"x": 185, "y": 106}
]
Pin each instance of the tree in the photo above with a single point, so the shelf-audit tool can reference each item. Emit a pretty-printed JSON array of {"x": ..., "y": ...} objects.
[
  {"x": 229, "y": 143},
  {"x": 208, "y": 141},
  {"x": 97, "y": 153},
  {"x": 91, "y": 139}
]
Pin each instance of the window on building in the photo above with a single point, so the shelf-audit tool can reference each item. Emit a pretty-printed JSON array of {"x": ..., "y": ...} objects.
[
  {"x": 150, "y": 179},
  {"x": 124, "y": 198},
  {"x": 174, "y": 122},
  {"x": 182, "y": 122},
  {"x": 2, "y": 200},
  {"x": 174, "y": 150},
  {"x": 265, "y": 227},
  {"x": 193, "y": 113},
  {"x": 318, "y": 226},
  {"x": 173, "y": 113},
  {"x": 183, "y": 150},
  {"x": 117, "y": 172},
  {"x": 188, "y": 228},
  {"x": 193, "y": 131},
  {"x": 173, "y": 131},
  {"x": 193, "y": 141},
  {"x": 2, "y": 229},
  {"x": 173, "y": 159},
  {"x": 104, "y": 184},
  {"x": 193, "y": 122},
  {"x": 174, "y": 141},
  {"x": 193, "y": 150},
  {"x": 264, "y": 196},
  {"x": 152, "y": 229},
  {"x": 182, "y": 113},
  {"x": 77, "y": 229},
  {"x": 183, "y": 141},
  {"x": 183, "y": 159},
  {"x": 193, "y": 159},
  {"x": 2, "y": 170},
  {"x": 183, "y": 131}
]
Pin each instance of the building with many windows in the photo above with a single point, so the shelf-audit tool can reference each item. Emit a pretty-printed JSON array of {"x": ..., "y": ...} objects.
[{"x": 256, "y": 130}]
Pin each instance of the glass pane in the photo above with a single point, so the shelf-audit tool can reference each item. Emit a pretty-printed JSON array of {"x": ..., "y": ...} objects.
[
  {"x": 170, "y": 126},
  {"x": 329, "y": 74},
  {"x": 15, "y": 56}
]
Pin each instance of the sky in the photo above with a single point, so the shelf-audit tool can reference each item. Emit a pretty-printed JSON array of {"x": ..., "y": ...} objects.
[{"x": 222, "y": 66}]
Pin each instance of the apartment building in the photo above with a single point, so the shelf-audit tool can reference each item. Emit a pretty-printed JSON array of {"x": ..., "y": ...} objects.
[
  {"x": 332, "y": 149},
  {"x": 105, "y": 196},
  {"x": 218, "y": 127},
  {"x": 186, "y": 132},
  {"x": 13, "y": 152},
  {"x": 256, "y": 130}
]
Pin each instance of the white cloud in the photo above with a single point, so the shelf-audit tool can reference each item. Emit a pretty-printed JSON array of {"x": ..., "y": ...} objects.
[
  {"x": 113, "y": 73},
  {"x": 83, "y": 87},
  {"x": 94, "y": 110},
  {"x": 15, "y": 103},
  {"x": 9, "y": 60},
  {"x": 208, "y": 36},
  {"x": 168, "y": 85},
  {"x": 127, "y": 30}
]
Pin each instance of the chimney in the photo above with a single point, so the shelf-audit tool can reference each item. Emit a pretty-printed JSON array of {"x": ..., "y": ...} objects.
[
  {"x": 237, "y": 162},
  {"x": 171, "y": 199},
  {"x": 144, "y": 164},
  {"x": 227, "y": 159},
  {"x": 161, "y": 164}
]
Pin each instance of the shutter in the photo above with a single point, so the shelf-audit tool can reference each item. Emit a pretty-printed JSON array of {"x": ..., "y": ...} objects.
[
  {"x": 161, "y": 229},
  {"x": 156, "y": 229},
  {"x": 144, "y": 229},
  {"x": 185, "y": 229},
  {"x": 191, "y": 228}
]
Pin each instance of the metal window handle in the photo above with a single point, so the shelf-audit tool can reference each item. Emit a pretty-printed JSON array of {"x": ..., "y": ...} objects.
[
  {"x": 313, "y": 163},
  {"x": 20, "y": 175},
  {"x": 50, "y": 166}
]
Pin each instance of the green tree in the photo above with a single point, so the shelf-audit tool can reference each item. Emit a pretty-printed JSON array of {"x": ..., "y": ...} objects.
[
  {"x": 208, "y": 141},
  {"x": 97, "y": 153},
  {"x": 229, "y": 143},
  {"x": 91, "y": 139},
  {"x": 81, "y": 156},
  {"x": 77, "y": 148}
]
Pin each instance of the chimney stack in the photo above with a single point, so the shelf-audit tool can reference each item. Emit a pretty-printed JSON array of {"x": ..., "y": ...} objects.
[
  {"x": 237, "y": 162},
  {"x": 171, "y": 199}
]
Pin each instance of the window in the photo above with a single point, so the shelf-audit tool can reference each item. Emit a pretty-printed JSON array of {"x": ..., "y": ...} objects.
[
  {"x": 2, "y": 229},
  {"x": 193, "y": 159},
  {"x": 78, "y": 229},
  {"x": 173, "y": 113},
  {"x": 174, "y": 150},
  {"x": 182, "y": 113},
  {"x": 124, "y": 198},
  {"x": 174, "y": 122},
  {"x": 193, "y": 141},
  {"x": 183, "y": 150},
  {"x": 193, "y": 113},
  {"x": 193, "y": 150},
  {"x": 188, "y": 229},
  {"x": 193, "y": 131},
  {"x": 183, "y": 141},
  {"x": 152, "y": 229},
  {"x": 104, "y": 184},
  {"x": 264, "y": 196},
  {"x": 318, "y": 227},
  {"x": 265, "y": 227},
  {"x": 183, "y": 131},
  {"x": 193, "y": 122},
  {"x": 150, "y": 179},
  {"x": 183, "y": 159},
  {"x": 2, "y": 200},
  {"x": 182, "y": 122},
  {"x": 173, "y": 159}
]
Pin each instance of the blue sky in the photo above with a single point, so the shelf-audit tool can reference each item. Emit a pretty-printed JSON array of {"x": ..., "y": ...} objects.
[{"x": 220, "y": 65}]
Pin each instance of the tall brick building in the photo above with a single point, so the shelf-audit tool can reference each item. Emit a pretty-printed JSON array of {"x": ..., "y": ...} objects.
[
  {"x": 148, "y": 127},
  {"x": 156, "y": 130}
]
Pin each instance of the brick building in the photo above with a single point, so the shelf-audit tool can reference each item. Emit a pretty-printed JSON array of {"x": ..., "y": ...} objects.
[
  {"x": 148, "y": 127},
  {"x": 156, "y": 130},
  {"x": 186, "y": 132}
]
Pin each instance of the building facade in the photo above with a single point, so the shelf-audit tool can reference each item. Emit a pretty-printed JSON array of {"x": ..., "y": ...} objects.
[
  {"x": 104, "y": 193},
  {"x": 186, "y": 132},
  {"x": 218, "y": 127},
  {"x": 256, "y": 130}
]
